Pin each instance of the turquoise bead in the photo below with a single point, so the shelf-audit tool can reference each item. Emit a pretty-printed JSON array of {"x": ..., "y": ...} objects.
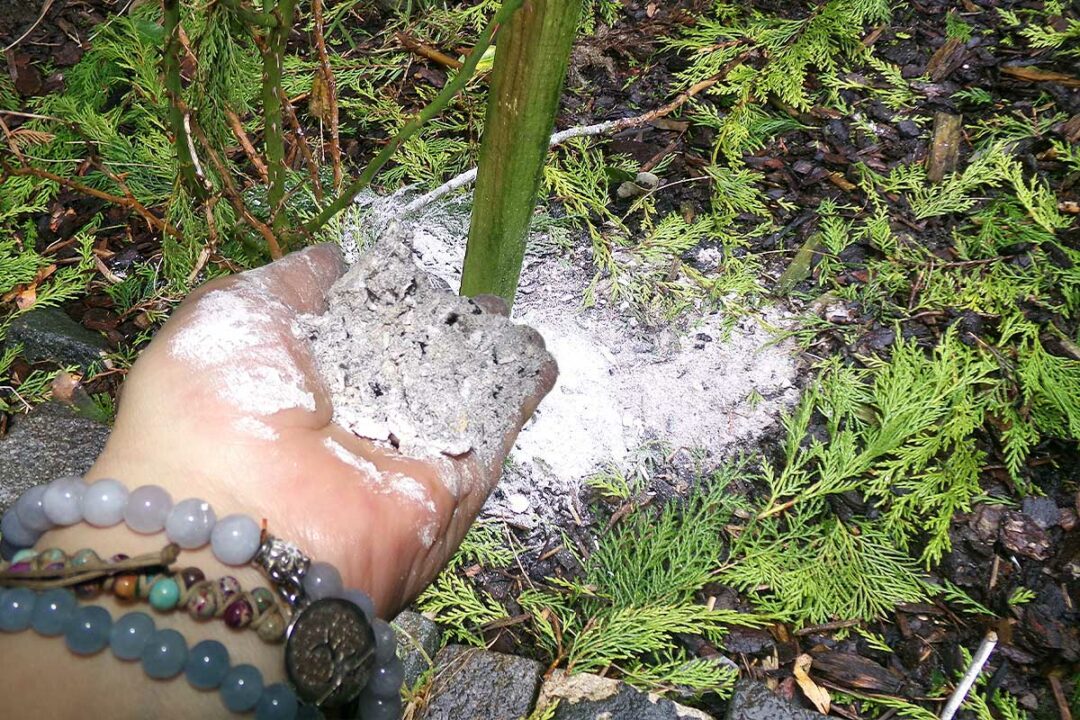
[
  {"x": 88, "y": 631},
  {"x": 278, "y": 702},
  {"x": 52, "y": 611},
  {"x": 24, "y": 555},
  {"x": 164, "y": 594},
  {"x": 207, "y": 665},
  {"x": 16, "y": 609},
  {"x": 130, "y": 634},
  {"x": 165, "y": 655},
  {"x": 241, "y": 688}
]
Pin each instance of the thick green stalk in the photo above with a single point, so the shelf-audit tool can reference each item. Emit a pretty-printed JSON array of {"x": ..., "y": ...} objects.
[
  {"x": 530, "y": 66},
  {"x": 170, "y": 66},
  {"x": 274, "y": 132},
  {"x": 436, "y": 106}
]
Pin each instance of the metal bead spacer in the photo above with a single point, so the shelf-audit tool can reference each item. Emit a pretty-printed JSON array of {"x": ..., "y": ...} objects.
[{"x": 285, "y": 564}]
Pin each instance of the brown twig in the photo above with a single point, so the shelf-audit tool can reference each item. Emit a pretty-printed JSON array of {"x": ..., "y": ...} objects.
[
  {"x": 414, "y": 45},
  {"x": 128, "y": 202},
  {"x": 233, "y": 196},
  {"x": 209, "y": 247},
  {"x": 41, "y": 16},
  {"x": 302, "y": 144},
  {"x": 331, "y": 92},
  {"x": 245, "y": 143}
]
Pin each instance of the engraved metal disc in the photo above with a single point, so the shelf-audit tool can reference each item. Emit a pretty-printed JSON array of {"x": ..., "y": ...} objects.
[{"x": 330, "y": 652}]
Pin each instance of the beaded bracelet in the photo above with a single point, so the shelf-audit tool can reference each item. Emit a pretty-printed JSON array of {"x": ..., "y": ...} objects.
[
  {"x": 165, "y": 591},
  {"x": 332, "y": 644},
  {"x": 164, "y": 654}
]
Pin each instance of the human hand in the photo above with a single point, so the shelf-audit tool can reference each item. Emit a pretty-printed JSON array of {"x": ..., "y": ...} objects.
[{"x": 226, "y": 405}]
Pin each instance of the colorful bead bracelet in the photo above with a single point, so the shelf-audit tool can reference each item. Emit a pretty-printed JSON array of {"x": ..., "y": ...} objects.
[
  {"x": 187, "y": 589},
  {"x": 337, "y": 653}
]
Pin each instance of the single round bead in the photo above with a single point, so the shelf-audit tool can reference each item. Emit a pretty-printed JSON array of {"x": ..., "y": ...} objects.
[
  {"x": 202, "y": 604},
  {"x": 264, "y": 599},
  {"x": 63, "y": 501},
  {"x": 322, "y": 580},
  {"x": 86, "y": 556},
  {"x": 372, "y": 707},
  {"x": 165, "y": 655},
  {"x": 385, "y": 641},
  {"x": 272, "y": 628},
  {"x": 14, "y": 531},
  {"x": 164, "y": 594},
  {"x": 191, "y": 575},
  {"x": 229, "y": 587},
  {"x": 88, "y": 631},
  {"x": 190, "y": 523},
  {"x": 235, "y": 538},
  {"x": 24, "y": 555},
  {"x": 386, "y": 679},
  {"x": 90, "y": 589},
  {"x": 147, "y": 508},
  {"x": 241, "y": 688},
  {"x": 21, "y": 567},
  {"x": 50, "y": 556},
  {"x": 362, "y": 600},
  {"x": 30, "y": 507},
  {"x": 52, "y": 611},
  {"x": 238, "y": 614},
  {"x": 17, "y": 609},
  {"x": 278, "y": 702},
  {"x": 207, "y": 665},
  {"x": 126, "y": 587},
  {"x": 130, "y": 635},
  {"x": 103, "y": 503}
]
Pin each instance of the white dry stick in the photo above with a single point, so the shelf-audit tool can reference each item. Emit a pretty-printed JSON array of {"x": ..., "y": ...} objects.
[
  {"x": 977, "y": 663},
  {"x": 469, "y": 176}
]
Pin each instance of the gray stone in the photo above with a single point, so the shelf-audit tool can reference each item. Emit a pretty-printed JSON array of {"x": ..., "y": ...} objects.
[
  {"x": 472, "y": 684},
  {"x": 417, "y": 642},
  {"x": 1043, "y": 510},
  {"x": 591, "y": 697},
  {"x": 754, "y": 701},
  {"x": 49, "y": 334},
  {"x": 49, "y": 442}
]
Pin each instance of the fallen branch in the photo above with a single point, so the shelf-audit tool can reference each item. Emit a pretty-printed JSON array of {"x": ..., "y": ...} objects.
[
  {"x": 423, "y": 50},
  {"x": 609, "y": 127},
  {"x": 964, "y": 687},
  {"x": 128, "y": 202}
]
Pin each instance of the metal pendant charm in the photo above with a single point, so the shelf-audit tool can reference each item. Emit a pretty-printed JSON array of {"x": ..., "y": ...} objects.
[
  {"x": 285, "y": 564},
  {"x": 330, "y": 653}
]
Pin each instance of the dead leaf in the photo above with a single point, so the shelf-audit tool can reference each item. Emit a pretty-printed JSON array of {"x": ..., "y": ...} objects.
[
  {"x": 1069, "y": 206},
  {"x": 650, "y": 9},
  {"x": 319, "y": 99},
  {"x": 24, "y": 137},
  {"x": 26, "y": 299},
  {"x": 1034, "y": 74},
  {"x": 813, "y": 692}
]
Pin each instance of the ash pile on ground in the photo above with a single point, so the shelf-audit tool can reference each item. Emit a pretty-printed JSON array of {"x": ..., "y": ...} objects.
[
  {"x": 391, "y": 328},
  {"x": 708, "y": 386}
]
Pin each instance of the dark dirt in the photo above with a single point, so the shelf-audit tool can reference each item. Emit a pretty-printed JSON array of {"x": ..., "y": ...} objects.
[{"x": 996, "y": 549}]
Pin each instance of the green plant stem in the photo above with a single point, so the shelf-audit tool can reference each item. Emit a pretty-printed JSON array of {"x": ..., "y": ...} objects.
[
  {"x": 436, "y": 106},
  {"x": 170, "y": 66},
  {"x": 274, "y": 132},
  {"x": 530, "y": 66},
  {"x": 249, "y": 16}
]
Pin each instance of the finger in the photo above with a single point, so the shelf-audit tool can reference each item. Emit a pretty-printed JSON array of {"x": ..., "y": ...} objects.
[
  {"x": 301, "y": 279},
  {"x": 492, "y": 304}
]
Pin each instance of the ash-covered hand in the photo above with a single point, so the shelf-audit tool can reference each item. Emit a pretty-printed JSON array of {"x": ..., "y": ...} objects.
[{"x": 227, "y": 404}]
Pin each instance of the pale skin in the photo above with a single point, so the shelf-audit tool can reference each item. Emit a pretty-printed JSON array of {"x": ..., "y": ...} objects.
[{"x": 175, "y": 429}]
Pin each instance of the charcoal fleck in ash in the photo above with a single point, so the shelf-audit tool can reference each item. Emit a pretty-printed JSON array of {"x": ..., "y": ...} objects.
[{"x": 408, "y": 362}]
